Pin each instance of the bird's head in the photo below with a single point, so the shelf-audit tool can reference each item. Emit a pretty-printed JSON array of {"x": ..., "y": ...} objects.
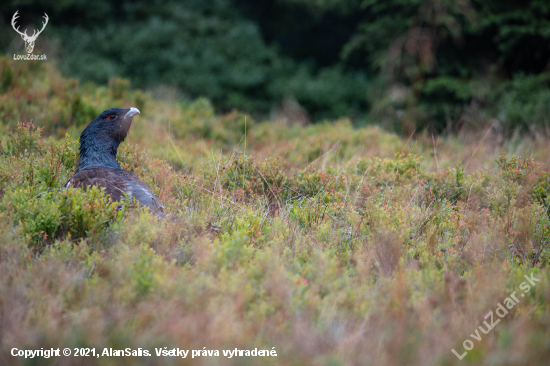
[
  {"x": 100, "y": 139},
  {"x": 113, "y": 123}
]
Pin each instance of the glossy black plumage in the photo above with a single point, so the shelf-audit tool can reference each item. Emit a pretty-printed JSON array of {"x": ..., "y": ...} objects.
[{"x": 97, "y": 164}]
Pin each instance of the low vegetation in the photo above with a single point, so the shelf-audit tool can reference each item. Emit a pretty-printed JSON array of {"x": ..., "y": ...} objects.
[{"x": 335, "y": 245}]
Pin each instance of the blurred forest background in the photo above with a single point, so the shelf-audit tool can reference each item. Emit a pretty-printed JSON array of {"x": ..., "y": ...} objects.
[{"x": 408, "y": 65}]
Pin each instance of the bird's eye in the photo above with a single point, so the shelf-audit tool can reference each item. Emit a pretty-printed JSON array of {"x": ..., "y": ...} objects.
[{"x": 112, "y": 116}]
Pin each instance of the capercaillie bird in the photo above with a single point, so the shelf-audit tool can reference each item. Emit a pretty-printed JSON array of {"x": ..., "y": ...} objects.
[{"x": 97, "y": 164}]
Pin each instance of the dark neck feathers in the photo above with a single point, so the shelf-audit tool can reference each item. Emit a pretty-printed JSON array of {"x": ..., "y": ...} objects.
[
  {"x": 97, "y": 150},
  {"x": 100, "y": 139}
]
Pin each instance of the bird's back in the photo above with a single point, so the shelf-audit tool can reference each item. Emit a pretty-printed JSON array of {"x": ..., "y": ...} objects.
[{"x": 118, "y": 183}]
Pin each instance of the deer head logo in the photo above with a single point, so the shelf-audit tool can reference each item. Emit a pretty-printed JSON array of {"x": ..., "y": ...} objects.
[{"x": 29, "y": 40}]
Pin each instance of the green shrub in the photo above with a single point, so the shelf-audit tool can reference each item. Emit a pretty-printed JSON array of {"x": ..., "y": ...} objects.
[
  {"x": 24, "y": 140},
  {"x": 232, "y": 250},
  {"x": 46, "y": 215}
]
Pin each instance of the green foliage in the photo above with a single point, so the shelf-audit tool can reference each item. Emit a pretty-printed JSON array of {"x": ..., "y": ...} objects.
[
  {"x": 58, "y": 156},
  {"x": 451, "y": 57},
  {"x": 209, "y": 50},
  {"x": 321, "y": 241},
  {"x": 232, "y": 249},
  {"x": 409, "y": 65},
  {"x": 322, "y": 184},
  {"x": 88, "y": 213},
  {"x": 55, "y": 103},
  {"x": 541, "y": 190},
  {"x": 6, "y": 78},
  {"x": 47, "y": 215},
  {"x": 142, "y": 271},
  {"x": 448, "y": 186},
  {"x": 39, "y": 214},
  {"x": 27, "y": 159},
  {"x": 24, "y": 140},
  {"x": 516, "y": 169},
  {"x": 523, "y": 102},
  {"x": 406, "y": 166},
  {"x": 252, "y": 177}
]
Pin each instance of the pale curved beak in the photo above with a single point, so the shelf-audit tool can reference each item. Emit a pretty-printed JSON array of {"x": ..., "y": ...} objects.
[{"x": 132, "y": 112}]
